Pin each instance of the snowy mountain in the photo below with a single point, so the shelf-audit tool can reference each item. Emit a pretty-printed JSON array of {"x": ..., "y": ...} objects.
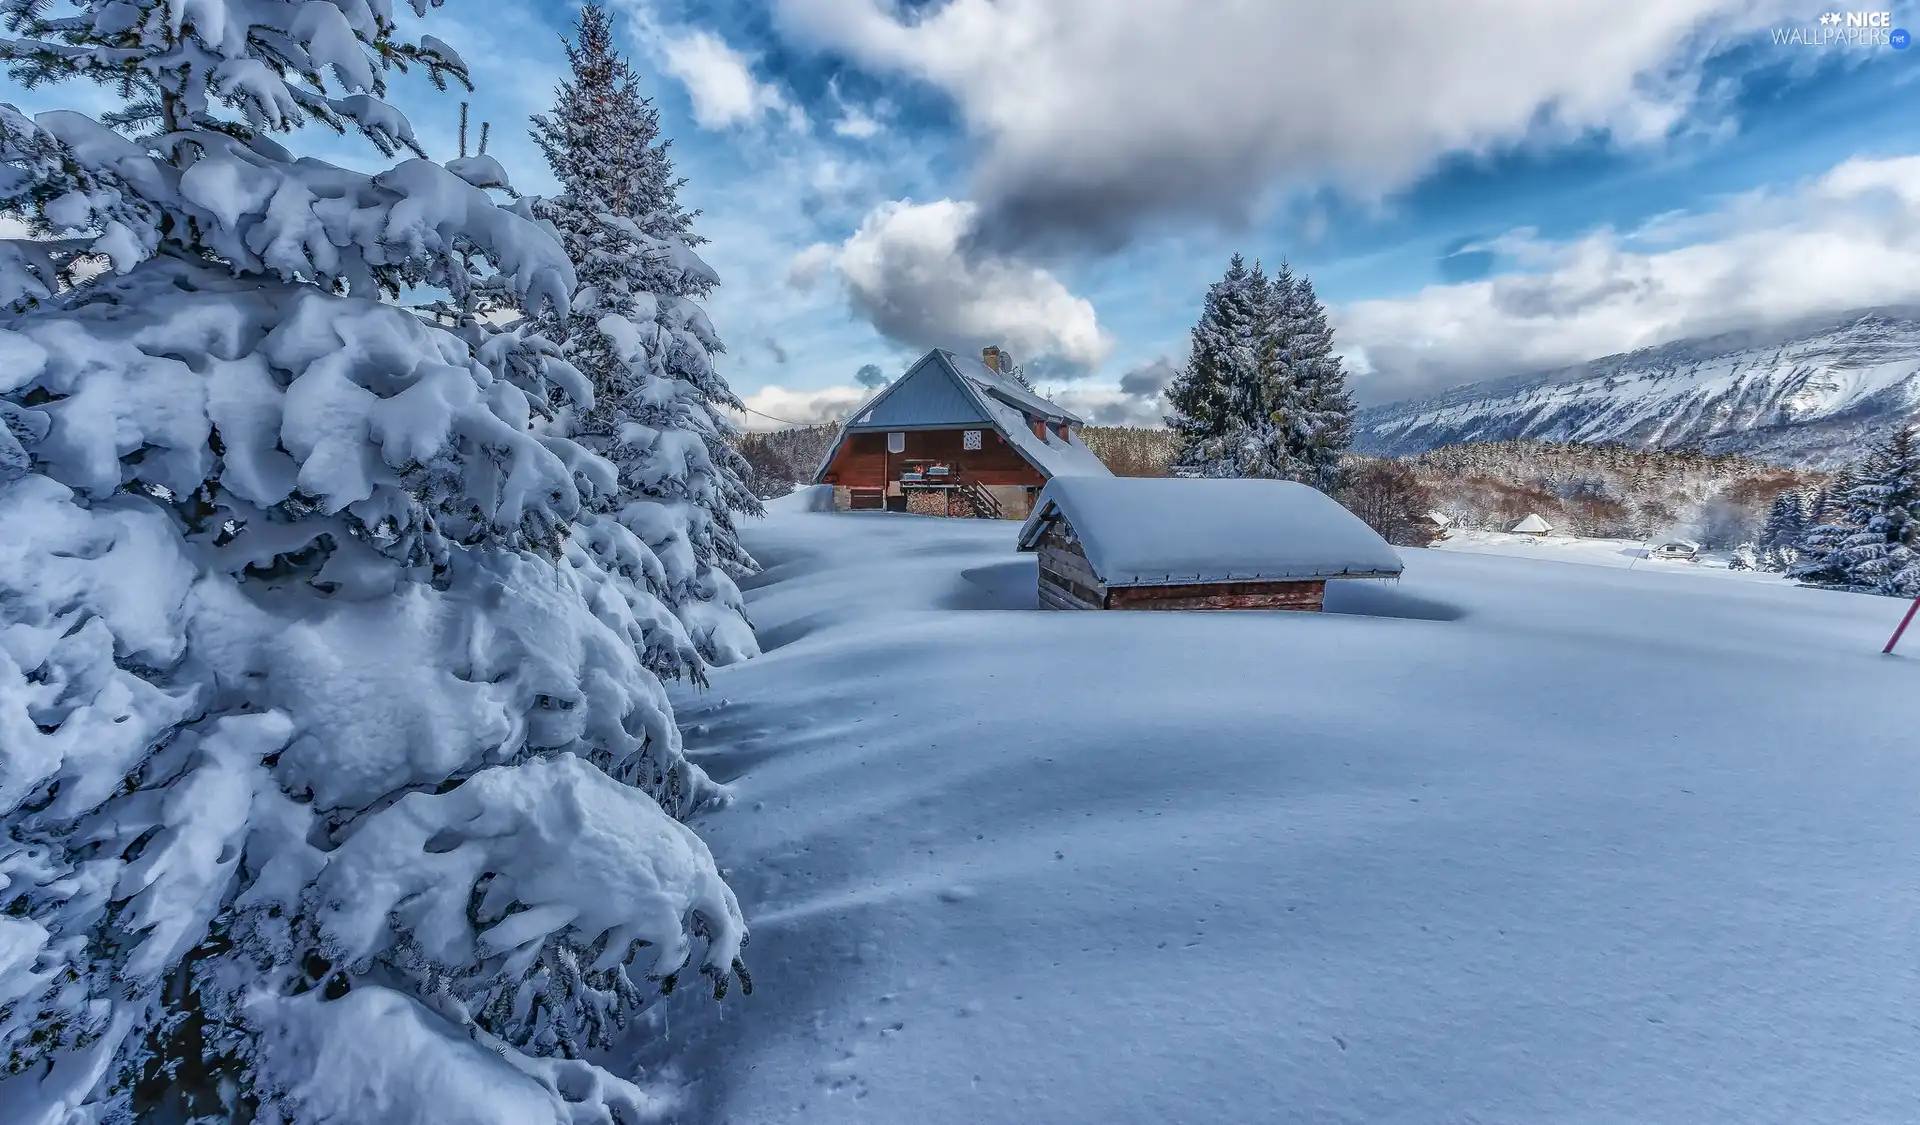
[{"x": 1807, "y": 394}]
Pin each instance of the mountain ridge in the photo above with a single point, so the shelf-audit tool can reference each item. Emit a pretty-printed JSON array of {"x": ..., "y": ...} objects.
[{"x": 1807, "y": 393}]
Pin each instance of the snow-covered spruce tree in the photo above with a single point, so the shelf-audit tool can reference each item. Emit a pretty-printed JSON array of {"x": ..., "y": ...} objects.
[
  {"x": 1816, "y": 561},
  {"x": 333, "y": 784},
  {"x": 1311, "y": 404},
  {"x": 636, "y": 330},
  {"x": 1255, "y": 444},
  {"x": 1263, "y": 394},
  {"x": 1222, "y": 360},
  {"x": 1785, "y": 526},
  {"x": 1875, "y": 545}
]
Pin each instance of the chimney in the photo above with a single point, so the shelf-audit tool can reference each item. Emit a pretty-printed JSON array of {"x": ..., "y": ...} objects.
[{"x": 990, "y": 356}]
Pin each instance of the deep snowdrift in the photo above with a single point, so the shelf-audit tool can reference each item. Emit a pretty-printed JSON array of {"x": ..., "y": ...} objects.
[{"x": 1542, "y": 843}]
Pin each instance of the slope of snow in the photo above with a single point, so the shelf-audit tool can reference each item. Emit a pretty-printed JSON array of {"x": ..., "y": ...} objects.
[
  {"x": 1802, "y": 396},
  {"x": 1504, "y": 842}
]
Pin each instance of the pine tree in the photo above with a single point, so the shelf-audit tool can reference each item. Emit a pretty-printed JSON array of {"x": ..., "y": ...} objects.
[
  {"x": 1785, "y": 527},
  {"x": 1827, "y": 526},
  {"x": 1316, "y": 410},
  {"x": 318, "y": 704},
  {"x": 1206, "y": 397},
  {"x": 1874, "y": 544},
  {"x": 636, "y": 330},
  {"x": 1256, "y": 443},
  {"x": 1263, "y": 394}
]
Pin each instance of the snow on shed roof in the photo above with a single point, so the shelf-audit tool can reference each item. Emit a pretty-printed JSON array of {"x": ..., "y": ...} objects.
[
  {"x": 1533, "y": 525},
  {"x": 1152, "y": 531}
]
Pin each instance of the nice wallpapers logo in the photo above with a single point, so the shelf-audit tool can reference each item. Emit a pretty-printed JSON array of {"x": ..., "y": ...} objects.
[{"x": 1845, "y": 29}]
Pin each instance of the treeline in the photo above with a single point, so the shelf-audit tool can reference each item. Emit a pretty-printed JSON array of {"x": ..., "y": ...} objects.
[
  {"x": 1132, "y": 451},
  {"x": 1606, "y": 491},
  {"x": 783, "y": 460}
]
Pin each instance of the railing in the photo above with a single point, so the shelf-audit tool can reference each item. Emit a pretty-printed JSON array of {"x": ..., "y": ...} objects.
[{"x": 977, "y": 497}]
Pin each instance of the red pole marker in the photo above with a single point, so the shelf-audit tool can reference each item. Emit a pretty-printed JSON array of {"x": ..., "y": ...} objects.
[{"x": 1903, "y": 628}]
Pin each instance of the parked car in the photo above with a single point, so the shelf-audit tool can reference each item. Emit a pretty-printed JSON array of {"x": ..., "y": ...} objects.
[{"x": 1676, "y": 550}]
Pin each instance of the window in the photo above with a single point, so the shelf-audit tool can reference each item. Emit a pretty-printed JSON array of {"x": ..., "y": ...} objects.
[
  {"x": 896, "y": 443},
  {"x": 970, "y": 439}
]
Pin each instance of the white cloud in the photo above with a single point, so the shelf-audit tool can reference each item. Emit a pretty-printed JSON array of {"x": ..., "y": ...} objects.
[
  {"x": 775, "y": 407},
  {"x": 855, "y": 122},
  {"x": 1095, "y": 113},
  {"x": 720, "y": 81},
  {"x": 1846, "y": 240},
  {"x": 908, "y": 271},
  {"x": 1103, "y": 404}
]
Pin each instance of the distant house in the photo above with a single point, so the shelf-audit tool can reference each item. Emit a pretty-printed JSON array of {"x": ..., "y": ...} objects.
[
  {"x": 1195, "y": 543},
  {"x": 1533, "y": 525},
  {"x": 954, "y": 436}
]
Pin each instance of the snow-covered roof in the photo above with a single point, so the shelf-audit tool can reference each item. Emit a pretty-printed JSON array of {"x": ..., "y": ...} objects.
[
  {"x": 1052, "y": 455},
  {"x": 1153, "y": 531},
  {"x": 943, "y": 390},
  {"x": 1533, "y": 525},
  {"x": 974, "y": 370},
  {"x": 1440, "y": 518}
]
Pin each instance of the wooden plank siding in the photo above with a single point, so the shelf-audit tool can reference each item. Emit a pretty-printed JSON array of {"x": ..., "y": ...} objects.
[
  {"x": 862, "y": 461},
  {"x": 1304, "y": 596},
  {"x": 1067, "y": 580}
]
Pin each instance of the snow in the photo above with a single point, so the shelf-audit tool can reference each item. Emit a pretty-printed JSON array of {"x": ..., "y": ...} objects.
[
  {"x": 1051, "y": 455},
  {"x": 1532, "y": 525},
  {"x": 1506, "y": 842},
  {"x": 578, "y": 850},
  {"x": 1143, "y": 531},
  {"x": 417, "y": 1072},
  {"x": 1625, "y": 554}
]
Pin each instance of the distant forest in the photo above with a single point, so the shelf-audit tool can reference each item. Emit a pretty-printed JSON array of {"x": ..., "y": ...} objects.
[{"x": 1599, "y": 491}]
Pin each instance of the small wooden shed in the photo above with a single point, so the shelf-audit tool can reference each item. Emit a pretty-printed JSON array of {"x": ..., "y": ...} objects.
[
  {"x": 1533, "y": 525},
  {"x": 1173, "y": 543}
]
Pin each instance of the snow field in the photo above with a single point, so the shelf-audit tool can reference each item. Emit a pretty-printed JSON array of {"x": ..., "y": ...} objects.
[{"x": 1501, "y": 842}]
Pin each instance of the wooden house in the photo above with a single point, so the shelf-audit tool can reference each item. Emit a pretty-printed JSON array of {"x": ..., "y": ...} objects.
[
  {"x": 1173, "y": 543},
  {"x": 954, "y": 436}
]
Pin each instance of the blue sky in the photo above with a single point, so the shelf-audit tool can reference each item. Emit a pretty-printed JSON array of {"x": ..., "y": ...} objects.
[{"x": 1475, "y": 188}]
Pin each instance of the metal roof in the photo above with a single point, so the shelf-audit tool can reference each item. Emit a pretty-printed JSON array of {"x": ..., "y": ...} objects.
[
  {"x": 974, "y": 369},
  {"x": 929, "y": 394}
]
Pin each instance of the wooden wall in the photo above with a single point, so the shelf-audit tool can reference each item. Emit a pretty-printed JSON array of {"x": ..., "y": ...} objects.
[
  {"x": 1305, "y": 596},
  {"x": 1067, "y": 581},
  {"x": 862, "y": 460}
]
